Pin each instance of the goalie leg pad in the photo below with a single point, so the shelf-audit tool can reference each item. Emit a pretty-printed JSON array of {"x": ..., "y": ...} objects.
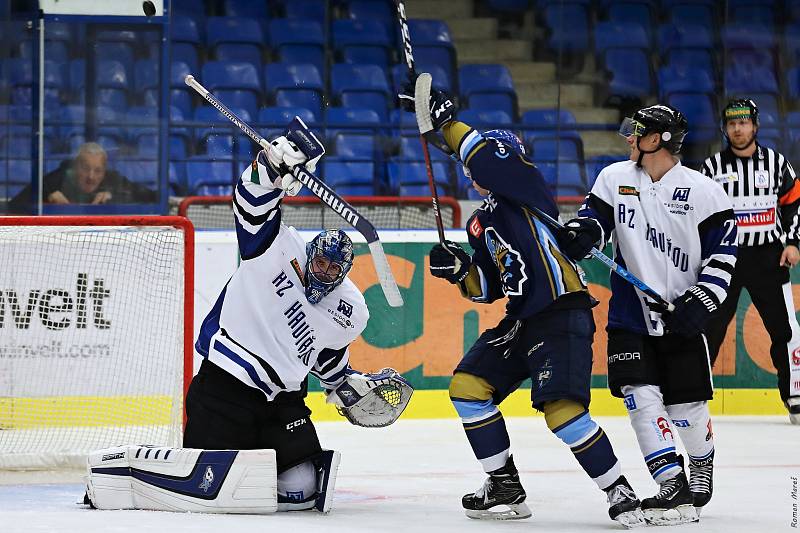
[{"x": 183, "y": 479}]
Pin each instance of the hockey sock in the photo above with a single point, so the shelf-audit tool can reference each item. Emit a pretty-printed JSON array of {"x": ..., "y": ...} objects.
[
  {"x": 650, "y": 421},
  {"x": 483, "y": 422},
  {"x": 694, "y": 427},
  {"x": 571, "y": 422}
]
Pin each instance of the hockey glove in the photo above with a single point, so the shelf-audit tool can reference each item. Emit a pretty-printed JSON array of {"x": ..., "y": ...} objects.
[
  {"x": 578, "y": 237},
  {"x": 442, "y": 108},
  {"x": 692, "y": 311},
  {"x": 371, "y": 400},
  {"x": 449, "y": 261},
  {"x": 283, "y": 155}
]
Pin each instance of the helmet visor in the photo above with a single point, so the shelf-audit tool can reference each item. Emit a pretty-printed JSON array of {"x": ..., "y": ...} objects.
[{"x": 631, "y": 127}]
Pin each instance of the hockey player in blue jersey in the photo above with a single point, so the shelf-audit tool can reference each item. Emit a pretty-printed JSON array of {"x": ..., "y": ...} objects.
[
  {"x": 674, "y": 229},
  {"x": 546, "y": 334}
]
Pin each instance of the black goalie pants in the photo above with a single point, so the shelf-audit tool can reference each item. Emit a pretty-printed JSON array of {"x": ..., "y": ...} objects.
[
  {"x": 224, "y": 413},
  {"x": 758, "y": 271}
]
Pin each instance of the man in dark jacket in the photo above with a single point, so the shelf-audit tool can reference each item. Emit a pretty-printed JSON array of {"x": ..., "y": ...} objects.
[{"x": 84, "y": 180}]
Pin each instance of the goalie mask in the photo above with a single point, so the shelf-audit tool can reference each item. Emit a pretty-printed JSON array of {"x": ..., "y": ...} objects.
[{"x": 329, "y": 259}]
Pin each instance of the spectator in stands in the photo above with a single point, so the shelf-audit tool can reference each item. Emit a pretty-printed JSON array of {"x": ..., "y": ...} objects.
[{"x": 84, "y": 180}]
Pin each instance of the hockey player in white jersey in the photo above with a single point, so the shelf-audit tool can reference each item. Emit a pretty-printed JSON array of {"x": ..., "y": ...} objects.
[
  {"x": 674, "y": 229},
  {"x": 287, "y": 311}
]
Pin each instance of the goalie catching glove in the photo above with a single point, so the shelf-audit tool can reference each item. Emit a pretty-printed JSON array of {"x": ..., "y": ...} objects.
[
  {"x": 372, "y": 400},
  {"x": 283, "y": 155}
]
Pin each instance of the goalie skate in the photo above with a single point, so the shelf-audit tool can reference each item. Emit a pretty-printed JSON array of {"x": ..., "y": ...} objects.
[
  {"x": 624, "y": 506},
  {"x": 500, "y": 498}
]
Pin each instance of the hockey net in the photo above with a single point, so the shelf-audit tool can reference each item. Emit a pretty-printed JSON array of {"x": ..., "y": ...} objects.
[
  {"x": 95, "y": 335},
  {"x": 307, "y": 212}
]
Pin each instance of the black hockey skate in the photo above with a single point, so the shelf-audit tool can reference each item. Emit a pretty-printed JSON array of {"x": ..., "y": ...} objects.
[
  {"x": 701, "y": 482},
  {"x": 500, "y": 498},
  {"x": 672, "y": 505},
  {"x": 624, "y": 506}
]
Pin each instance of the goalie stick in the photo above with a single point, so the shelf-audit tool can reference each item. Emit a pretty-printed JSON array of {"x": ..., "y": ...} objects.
[
  {"x": 342, "y": 208},
  {"x": 428, "y": 136}
]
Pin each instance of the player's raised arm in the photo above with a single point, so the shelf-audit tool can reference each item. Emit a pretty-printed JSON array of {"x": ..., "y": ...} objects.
[{"x": 259, "y": 191}]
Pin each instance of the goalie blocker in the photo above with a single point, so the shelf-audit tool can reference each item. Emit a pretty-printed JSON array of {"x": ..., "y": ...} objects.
[{"x": 205, "y": 481}]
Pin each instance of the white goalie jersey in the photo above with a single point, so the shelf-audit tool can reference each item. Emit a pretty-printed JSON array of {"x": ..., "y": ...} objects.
[
  {"x": 262, "y": 330},
  {"x": 671, "y": 234}
]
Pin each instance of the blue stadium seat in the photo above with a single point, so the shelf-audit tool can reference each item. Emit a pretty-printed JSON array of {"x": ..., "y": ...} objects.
[
  {"x": 381, "y": 12},
  {"x": 183, "y": 29},
  {"x": 118, "y": 36},
  {"x": 694, "y": 58},
  {"x": 186, "y": 53},
  {"x": 111, "y": 80},
  {"x": 701, "y": 114},
  {"x": 549, "y": 119},
  {"x": 337, "y": 171},
  {"x": 613, "y": 35},
  {"x": 19, "y": 75},
  {"x": 758, "y": 13},
  {"x": 509, "y": 6},
  {"x": 213, "y": 190},
  {"x": 116, "y": 51},
  {"x": 488, "y": 86},
  {"x": 145, "y": 76},
  {"x": 743, "y": 36},
  {"x": 569, "y": 26},
  {"x": 793, "y": 83},
  {"x": 672, "y": 36},
  {"x": 246, "y": 9},
  {"x": 597, "y": 163},
  {"x": 556, "y": 148},
  {"x": 485, "y": 118},
  {"x": 429, "y": 32},
  {"x": 236, "y": 84},
  {"x": 440, "y": 79},
  {"x": 305, "y": 77},
  {"x": 306, "y": 10},
  {"x": 299, "y": 98},
  {"x": 180, "y": 95},
  {"x": 355, "y": 146},
  {"x": 57, "y": 51},
  {"x": 298, "y": 41},
  {"x": 362, "y": 42},
  {"x": 626, "y": 12},
  {"x": 141, "y": 120},
  {"x": 792, "y": 41},
  {"x": 427, "y": 57},
  {"x": 410, "y": 178},
  {"x": 235, "y": 39},
  {"x": 630, "y": 71},
  {"x": 202, "y": 171},
  {"x": 143, "y": 172},
  {"x": 688, "y": 12},
  {"x": 739, "y": 79},
  {"x": 570, "y": 180},
  {"x": 672, "y": 79},
  {"x": 361, "y": 86},
  {"x": 410, "y": 148},
  {"x": 219, "y": 124}
]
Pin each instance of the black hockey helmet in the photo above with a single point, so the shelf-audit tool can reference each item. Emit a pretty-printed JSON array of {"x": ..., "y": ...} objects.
[
  {"x": 740, "y": 108},
  {"x": 663, "y": 119}
]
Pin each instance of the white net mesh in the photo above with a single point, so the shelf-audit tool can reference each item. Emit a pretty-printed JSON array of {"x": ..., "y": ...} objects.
[{"x": 91, "y": 340}]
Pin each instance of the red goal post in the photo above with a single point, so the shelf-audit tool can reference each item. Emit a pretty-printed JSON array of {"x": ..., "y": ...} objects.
[
  {"x": 308, "y": 212},
  {"x": 96, "y": 340}
]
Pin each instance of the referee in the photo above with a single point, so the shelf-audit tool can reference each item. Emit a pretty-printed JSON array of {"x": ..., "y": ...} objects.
[{"x": 765, "y": 194}]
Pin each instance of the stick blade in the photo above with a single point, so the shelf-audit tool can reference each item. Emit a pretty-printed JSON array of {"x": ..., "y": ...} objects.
[
  {"x": 422, "y": 95},
  {"x": 385, "y": 277}
]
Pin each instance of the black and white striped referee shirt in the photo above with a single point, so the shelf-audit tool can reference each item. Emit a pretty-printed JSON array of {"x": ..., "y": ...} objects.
[{"x": 764, "y": 191}]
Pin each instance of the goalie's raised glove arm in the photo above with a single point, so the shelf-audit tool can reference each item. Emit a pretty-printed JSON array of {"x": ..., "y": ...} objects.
[
  {"x": 449, "y": 261},
  {"x": 371, "y": 400},
  {"x": 441, "y": 105}
]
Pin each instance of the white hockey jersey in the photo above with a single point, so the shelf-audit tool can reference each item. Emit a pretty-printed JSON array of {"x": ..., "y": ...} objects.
[
  {"x": 671, "y": 234},
  {"x": 262, "y": 330}
]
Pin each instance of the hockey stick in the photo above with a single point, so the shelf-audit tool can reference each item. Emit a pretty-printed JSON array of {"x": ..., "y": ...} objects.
[
  {"x": 611, "y": 264},
  {"x": 429, "y": 135},
  {"x": 324, "y": 193}
]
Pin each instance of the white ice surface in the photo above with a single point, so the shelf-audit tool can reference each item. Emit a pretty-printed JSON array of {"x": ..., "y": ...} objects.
[{"x": 410, "y": 477}]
